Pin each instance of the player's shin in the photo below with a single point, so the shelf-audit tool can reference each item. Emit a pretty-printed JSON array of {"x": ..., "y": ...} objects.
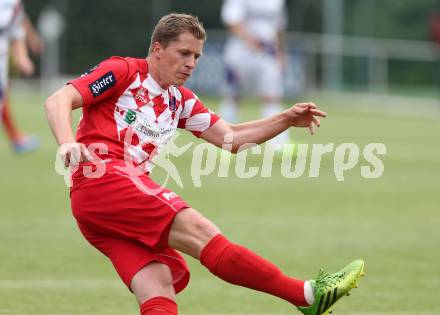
[{"x": 240, "y": 266}]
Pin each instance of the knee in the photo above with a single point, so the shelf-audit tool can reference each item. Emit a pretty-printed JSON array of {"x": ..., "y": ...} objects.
[{"x": 153, "y": 280}]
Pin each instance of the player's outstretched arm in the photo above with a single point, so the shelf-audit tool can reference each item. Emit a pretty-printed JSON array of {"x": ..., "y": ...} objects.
[
  {"x": 245, "y": 135},
  {"x": 59, "y": 108}
]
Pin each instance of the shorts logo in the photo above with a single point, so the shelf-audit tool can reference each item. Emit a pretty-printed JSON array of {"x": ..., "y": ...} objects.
[
  {"x": 102, "y": 84},
  {"x": 169, "y": 196}
]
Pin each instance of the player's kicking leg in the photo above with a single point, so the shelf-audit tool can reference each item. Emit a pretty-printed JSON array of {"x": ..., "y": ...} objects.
[
  {"x": 329, "y": 288},
  {"x": 194, "y": 235}
]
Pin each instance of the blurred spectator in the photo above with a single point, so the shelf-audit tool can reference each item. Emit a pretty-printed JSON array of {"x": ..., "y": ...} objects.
[
  {"x": 16, "y": 32},
  {"x": 254, "y": 55}
]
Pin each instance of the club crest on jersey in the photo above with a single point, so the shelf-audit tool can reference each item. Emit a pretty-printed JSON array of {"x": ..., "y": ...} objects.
[
  {"x": 141, "y": 95},
  {"x": 172, "y": 104},
  {"x": 102, "y": 84}
]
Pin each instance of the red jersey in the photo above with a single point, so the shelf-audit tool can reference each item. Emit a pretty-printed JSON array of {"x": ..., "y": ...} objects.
[{"x": 126, "y": 110}]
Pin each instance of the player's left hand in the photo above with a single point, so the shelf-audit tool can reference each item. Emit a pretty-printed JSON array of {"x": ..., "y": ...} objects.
[{"x": 305, "y": 115}]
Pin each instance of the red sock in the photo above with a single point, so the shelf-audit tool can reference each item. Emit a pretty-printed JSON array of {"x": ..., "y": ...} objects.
[
  {"x": 159, "y": 305},
  {"x": 11, "y": 129},
  {"x": 238, "y": 265}
]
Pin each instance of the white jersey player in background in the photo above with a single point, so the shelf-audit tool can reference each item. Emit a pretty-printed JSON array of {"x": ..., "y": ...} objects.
[
  {"x": 13, "y": 36},
  {"x": 254, "y": 55}
]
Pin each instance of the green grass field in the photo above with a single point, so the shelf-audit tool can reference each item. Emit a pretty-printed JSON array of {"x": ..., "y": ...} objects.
[{"x": 301, "y": 224}]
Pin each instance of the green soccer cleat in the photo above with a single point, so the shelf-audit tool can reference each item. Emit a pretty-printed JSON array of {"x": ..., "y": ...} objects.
[{"x": 329, "y": 288}]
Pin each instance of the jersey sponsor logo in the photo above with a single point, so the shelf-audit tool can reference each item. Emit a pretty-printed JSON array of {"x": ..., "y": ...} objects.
[
  {"x": 102, "y": 84},
  {"x": 146, "y": 131},
  {"x": 169, "y": 196},
  {"x": 141, "y": 124},
  {"x": 130, "y": 116},
  {"x": 167, "y": 130}
]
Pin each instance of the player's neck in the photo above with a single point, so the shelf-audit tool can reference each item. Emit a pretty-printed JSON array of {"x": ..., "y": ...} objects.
[{"x": 154, "y": 71}]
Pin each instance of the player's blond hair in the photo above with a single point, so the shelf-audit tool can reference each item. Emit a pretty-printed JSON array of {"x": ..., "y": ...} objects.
[{"x": 172, "y": 25}]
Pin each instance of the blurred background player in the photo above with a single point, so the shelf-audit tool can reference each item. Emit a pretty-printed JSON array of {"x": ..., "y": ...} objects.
[
  {"x": 254, "y": 56},
  {"x": 15, "y": 30}
]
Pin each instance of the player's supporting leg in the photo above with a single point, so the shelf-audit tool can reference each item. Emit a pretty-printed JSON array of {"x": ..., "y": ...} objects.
[
  {"x": 159, "y": 306},
  {"x": 154, "y": 291},
  {"x": 194, "y": 235}
]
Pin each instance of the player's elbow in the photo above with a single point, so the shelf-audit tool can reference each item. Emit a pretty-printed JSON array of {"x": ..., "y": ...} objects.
[
  {"x": 66, "y": 98},
  {"x": 228, "y": 146},
  {"x": 237, "y": 139},
  {"x": 57, "y": 100},
  {"x": 238, "y": 147},
  {"x": 234, "y": 149},
  {"x": 51, "y": 102}
]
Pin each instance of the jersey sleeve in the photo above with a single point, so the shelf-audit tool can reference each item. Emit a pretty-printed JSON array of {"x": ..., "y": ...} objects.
[
  {"x": 233, "y": 12},
  {"x": 102, "y": 81},
  {"x": 195, "y": 117}
]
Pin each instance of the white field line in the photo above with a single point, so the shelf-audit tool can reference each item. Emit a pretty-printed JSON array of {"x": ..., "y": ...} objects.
[{"x": 59, "y": 284}]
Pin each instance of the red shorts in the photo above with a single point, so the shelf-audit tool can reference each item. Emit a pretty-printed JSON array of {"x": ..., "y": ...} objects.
[{"x": 128, "y": 219}]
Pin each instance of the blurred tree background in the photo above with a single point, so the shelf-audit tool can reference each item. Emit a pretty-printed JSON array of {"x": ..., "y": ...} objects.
[{"x": 101, "y": 28}]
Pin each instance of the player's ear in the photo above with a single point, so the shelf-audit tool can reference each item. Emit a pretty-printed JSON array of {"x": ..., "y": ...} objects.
[{"x": 157, "y": 49}]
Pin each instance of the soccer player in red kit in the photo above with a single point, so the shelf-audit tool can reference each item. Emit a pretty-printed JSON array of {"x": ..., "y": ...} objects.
[{"x": 131, "y": 109}]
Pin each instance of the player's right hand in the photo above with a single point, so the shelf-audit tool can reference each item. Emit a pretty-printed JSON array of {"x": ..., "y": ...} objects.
[{"x": 74, "y": 153}]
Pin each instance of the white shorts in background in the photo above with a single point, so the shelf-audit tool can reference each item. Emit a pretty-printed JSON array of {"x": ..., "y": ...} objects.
[{"x": 247, "y": 69}]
